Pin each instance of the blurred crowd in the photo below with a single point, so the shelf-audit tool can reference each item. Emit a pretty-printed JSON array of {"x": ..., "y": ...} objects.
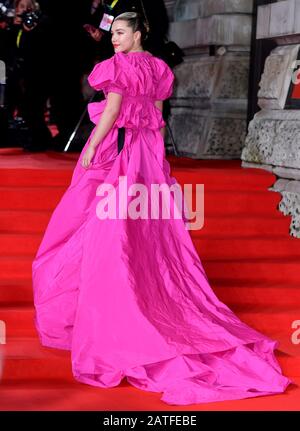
[{"x": 48, "y": 48}]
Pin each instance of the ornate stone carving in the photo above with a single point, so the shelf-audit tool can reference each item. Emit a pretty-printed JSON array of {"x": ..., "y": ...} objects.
[
  {"x": 225, "y": 78},
  {"x": 274, "y": 138},
  {"x": 211, "y": 91},
  {"x": 270, "y": 84},
  {"x": 290, "y": 205},
  {"x": 188, "y": 129},
  {"x": 276, "y": 78},
  {"x": 258, "y": 144},
  {"x": 197, "y": 135},
  {"x": 233, "y": 82},
  {"x": 226, "y": 137},
  {"x": 195, "y": 78}
]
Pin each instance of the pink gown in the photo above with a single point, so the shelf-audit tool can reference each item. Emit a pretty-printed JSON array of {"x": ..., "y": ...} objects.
[{"x": 130, "y": 298}]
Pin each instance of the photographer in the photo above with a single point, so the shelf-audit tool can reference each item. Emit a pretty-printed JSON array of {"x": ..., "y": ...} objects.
[
  {"x": 67, "y": 65},
  {"x": 28, "y": 72},
  {"x": 6, "y": 16},
  {"x": 97, "y": 44}
]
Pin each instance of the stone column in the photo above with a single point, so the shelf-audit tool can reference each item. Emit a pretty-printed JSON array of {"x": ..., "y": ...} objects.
[
  {"x": 170, "y": 5},
  {"x": 209, "y": 107},
  {"x": 273, "y": 140}
]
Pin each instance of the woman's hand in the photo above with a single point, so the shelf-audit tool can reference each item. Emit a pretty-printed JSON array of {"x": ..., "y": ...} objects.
[{"x": 87, "y": 157}]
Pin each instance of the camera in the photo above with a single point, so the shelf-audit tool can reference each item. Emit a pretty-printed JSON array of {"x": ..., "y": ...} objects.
[{"x": 30, "y": 18}]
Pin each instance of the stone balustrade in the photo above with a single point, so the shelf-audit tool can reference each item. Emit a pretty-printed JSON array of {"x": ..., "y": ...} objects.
[
  {"x": 209, "y": 106},
  {"x": 273, "y": 140},
  {"x": 278, "y": 19}
]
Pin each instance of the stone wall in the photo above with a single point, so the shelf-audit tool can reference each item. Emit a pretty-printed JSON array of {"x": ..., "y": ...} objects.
[
  {"x": 209, "y": 106},
  {"x": 273, "y": 140}
]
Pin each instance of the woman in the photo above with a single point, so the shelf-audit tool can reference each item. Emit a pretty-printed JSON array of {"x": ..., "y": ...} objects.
[
  {"x": 28, "y": 74},
  {"x": 129, "y": 296}
]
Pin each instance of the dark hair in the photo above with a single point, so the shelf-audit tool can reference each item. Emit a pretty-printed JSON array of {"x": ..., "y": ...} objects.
[{"x": 136, "y": 21}]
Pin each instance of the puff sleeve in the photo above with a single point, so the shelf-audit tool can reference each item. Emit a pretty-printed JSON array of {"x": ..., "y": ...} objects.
[
  {"x": 108, "y": 75},
  {"x": 165, "y": 85}
]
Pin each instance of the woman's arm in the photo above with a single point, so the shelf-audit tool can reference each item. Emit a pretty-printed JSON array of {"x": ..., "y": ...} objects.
[
  {"x": 159, "y": 105},
  {"x": 108, "y": 117}
]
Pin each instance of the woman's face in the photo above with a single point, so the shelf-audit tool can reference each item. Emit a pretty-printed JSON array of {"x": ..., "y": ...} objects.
[{"x": 123, "y": 38}]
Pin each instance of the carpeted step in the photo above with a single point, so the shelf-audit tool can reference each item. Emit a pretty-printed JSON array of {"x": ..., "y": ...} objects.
[
  {"x": 247, "y": 248},
  {"x": 15, "y": 268},
  {"x": 50, "y": 395},
  {"x": 25, "y": 221},
  {"x": 27, "y": 359},
  {"x": 252, "y": 295},
  {"x": 243, "y": 225},
  {"x": 233, "y": 177},
  {"x": 207, "y": 246},
  {"x": 215, "y": 202},
  {"x": 16, "y": 292},
  {"x": 28, "y": 198},
  {"x": 225, "y": 179},
  {"x": 237, "y": 202},
  {"x": 222, "y": 203},
  {"x": 30, "y": 369},
  {"x": 19, "y": 243},
  {"x": 280, "y": 271},
  {"x": 35, "y": 177},
  {"x": 37, "y": 368},
  {"x": 19, "y": 320},
  {"x": 248, "y": 295}
]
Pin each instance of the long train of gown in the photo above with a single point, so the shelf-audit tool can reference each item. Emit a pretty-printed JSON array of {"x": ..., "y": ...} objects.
[{"x": 130, "y": 298}]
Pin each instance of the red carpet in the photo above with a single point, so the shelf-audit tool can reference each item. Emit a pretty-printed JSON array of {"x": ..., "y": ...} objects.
[{"x": 252, "y": 263}]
